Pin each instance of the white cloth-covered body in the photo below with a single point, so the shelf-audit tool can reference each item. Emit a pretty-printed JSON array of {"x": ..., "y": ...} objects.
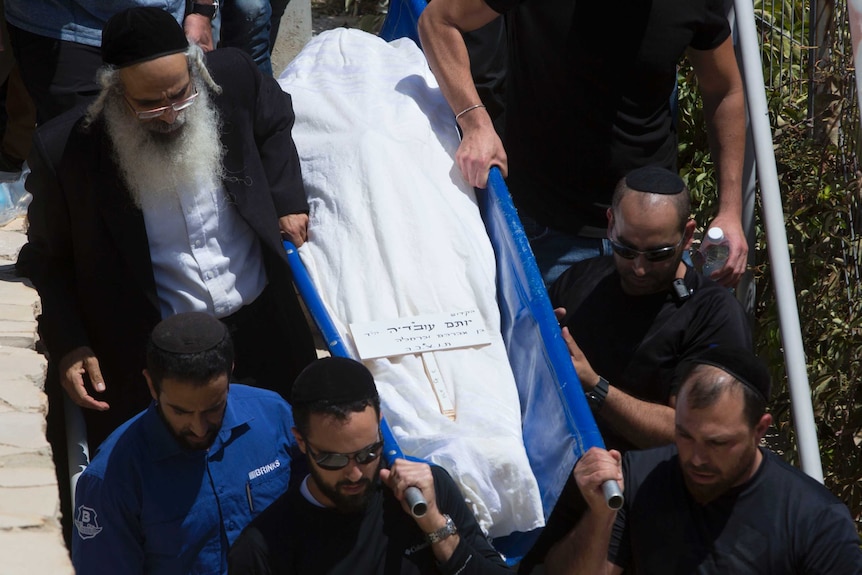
[{"x": 395, "y": 232}]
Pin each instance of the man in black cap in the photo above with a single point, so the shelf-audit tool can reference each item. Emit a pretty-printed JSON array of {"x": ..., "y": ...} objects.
[
  {"x": 172, "y": 195},
  {"x": 341, "y": 519},
  {"x": 636, "y": 316},
  {"x": 716, "y": 501},
  {"x": 172, "y": 488}
]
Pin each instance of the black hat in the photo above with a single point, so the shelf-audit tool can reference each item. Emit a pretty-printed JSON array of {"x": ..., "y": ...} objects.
[
  {"x": 738, "y": 362},
  {"x": 191, "y": 332},
  {"x": 336, "y": 380},
  {"x": 655, "y": 180},
  {"x": 140, "y": 34}
]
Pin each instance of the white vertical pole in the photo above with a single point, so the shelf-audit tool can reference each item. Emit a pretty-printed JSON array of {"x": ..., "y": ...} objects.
[
  {"x": 855, "y": 12},
  {"x": 76, "y": 443},
  {"x": 779, "y": 255}
]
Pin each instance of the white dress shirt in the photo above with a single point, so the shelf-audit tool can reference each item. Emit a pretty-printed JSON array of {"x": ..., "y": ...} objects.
[{"x": 205, "y": 256}]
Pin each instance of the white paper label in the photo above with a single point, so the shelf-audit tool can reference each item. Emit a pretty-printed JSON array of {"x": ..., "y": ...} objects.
[{"x": 417, "y": 334}]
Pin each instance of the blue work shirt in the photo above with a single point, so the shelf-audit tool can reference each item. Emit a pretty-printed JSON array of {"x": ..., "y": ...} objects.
[
  {"x": 146, "y": 504},
  {"x": 79, "y": 21}
]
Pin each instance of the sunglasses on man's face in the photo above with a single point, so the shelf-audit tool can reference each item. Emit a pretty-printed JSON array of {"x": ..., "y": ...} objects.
[
  {"x": 335, "y": 461},
  {"x": 656, "y": 255}
]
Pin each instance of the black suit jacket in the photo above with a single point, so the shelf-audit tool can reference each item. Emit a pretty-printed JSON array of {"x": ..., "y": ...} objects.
[{"x": 88, "y": 254}]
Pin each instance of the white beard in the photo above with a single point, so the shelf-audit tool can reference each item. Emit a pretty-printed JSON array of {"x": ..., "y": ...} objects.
[{"x": 156, "y": 163}]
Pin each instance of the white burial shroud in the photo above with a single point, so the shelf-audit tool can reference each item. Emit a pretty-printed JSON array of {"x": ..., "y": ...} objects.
[{"x": 396, "y": 232}]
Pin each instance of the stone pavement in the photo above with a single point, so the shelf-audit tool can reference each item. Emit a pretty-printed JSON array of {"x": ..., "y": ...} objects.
[{"x": 30, "y": 535}]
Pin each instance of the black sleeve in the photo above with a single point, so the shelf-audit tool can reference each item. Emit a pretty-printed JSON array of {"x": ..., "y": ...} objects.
[
  {"x": 266, "y": 545},
  {"x": 832, "y": 543},
  {"x": 273, "y": 133},
  {"x": 47, "y": 258},
  {"x": 255, "y": 108},
  {"x": 714, "y": 27},
  {"x": 619, "y": 547},
  {"x": 577, "y": 283},
  {"x": 249, "y": 555},
  {"x": 502, "y": 6},
  {"x": 558, "y": 290},
  {"x": 715, "y": 318},
  {"x": 474, "y": 553}
]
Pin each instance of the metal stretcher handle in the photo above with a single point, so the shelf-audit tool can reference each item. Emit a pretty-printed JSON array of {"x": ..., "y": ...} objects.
[
  {"x": 415, "y": 500},
  {"x": 613, "y": 494},
  {"x": 305, "y": 287}
]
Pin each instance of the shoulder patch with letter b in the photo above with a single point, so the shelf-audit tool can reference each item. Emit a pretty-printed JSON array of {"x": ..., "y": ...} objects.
[{"x": 86, "y": 522}]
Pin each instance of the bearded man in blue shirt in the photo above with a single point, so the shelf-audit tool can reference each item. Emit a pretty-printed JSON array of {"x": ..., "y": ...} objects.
[{"x": 171, "y": 489}]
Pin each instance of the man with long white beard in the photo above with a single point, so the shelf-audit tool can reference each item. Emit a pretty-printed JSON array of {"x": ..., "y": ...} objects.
[{"x": 172, "y": 195}]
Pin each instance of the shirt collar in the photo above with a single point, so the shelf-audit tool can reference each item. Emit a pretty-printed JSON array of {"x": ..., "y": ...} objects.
[{"x": 233, "y": 419}]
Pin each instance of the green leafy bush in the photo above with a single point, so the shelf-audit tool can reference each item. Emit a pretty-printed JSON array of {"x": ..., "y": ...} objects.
[{"x": 821, "y": 194}]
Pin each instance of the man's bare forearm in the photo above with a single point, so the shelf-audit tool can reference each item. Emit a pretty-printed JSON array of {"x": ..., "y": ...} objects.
[
  {"x": 643, "y": 423},
  {"x": 724, "y": 113},
  {"x": 584, "y": 550},
  {"x": 726, "y": 129},
  {"x": 440, "y": 29}
]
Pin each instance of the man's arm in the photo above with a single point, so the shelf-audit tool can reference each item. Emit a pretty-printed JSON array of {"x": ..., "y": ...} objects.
[
  {"x": 584, "y": 550},
  {"x": 273, "y": 120},
  {"x": 106, "y": 538},
  {"x": 724, "y": 111},
  {"x": 249, "y": 555},
  {"x": 267, "y": 544},
  {"x": 643, "y": 423},
  {"x": 48, "y": 261},
  {"x": 440, "y": 29},
  {"x": 467, "y": 551},
  {"x": 198, "y": 28},
  {"x": 830, "y": 543}
]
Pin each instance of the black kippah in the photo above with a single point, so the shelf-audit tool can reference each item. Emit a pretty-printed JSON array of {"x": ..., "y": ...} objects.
[
  {"x": 337, "y": 380},
  {"x": 140, "y": 34},
  {"x": 191, "y": 332},
  {"x": 740, "y": 363},
  {"x": 655, "y": 180}
]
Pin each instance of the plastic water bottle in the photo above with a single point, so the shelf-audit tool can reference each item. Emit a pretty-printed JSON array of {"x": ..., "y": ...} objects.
[
  {"x": 714, "y": 250},
  {"x": 14, "y": 199}
]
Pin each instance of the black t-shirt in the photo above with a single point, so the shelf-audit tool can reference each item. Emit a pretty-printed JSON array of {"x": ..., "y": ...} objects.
[
  {"x": 588, "y": 97},
  {"x": 636, "y": 342},
  {"x": 293, "y": 536},
  {"x": 779, "y": 522}
]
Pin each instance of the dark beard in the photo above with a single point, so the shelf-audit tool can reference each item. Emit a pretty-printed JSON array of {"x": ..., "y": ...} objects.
[
  {"x": 704, "y": 494},
  {"x": 346, "y": 503},
  {"x": 183, "y": 438}
]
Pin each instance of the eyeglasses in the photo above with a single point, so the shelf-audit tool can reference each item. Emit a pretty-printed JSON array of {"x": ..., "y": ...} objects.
[
  {"x": 178, "y": 106},
  {"x": 656, "y": 255},
  {"x": 336, "y": 461}
]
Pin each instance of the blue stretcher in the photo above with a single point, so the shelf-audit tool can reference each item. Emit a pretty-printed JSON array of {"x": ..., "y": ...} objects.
[{"x": 558, "y": 426}]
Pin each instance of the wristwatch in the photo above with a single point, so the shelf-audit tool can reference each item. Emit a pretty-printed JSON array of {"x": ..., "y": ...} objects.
[
  {"x": 446, "y": 531},
  {"x": 597, "y": 395},
  {"x": 208, "y": 10}
]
